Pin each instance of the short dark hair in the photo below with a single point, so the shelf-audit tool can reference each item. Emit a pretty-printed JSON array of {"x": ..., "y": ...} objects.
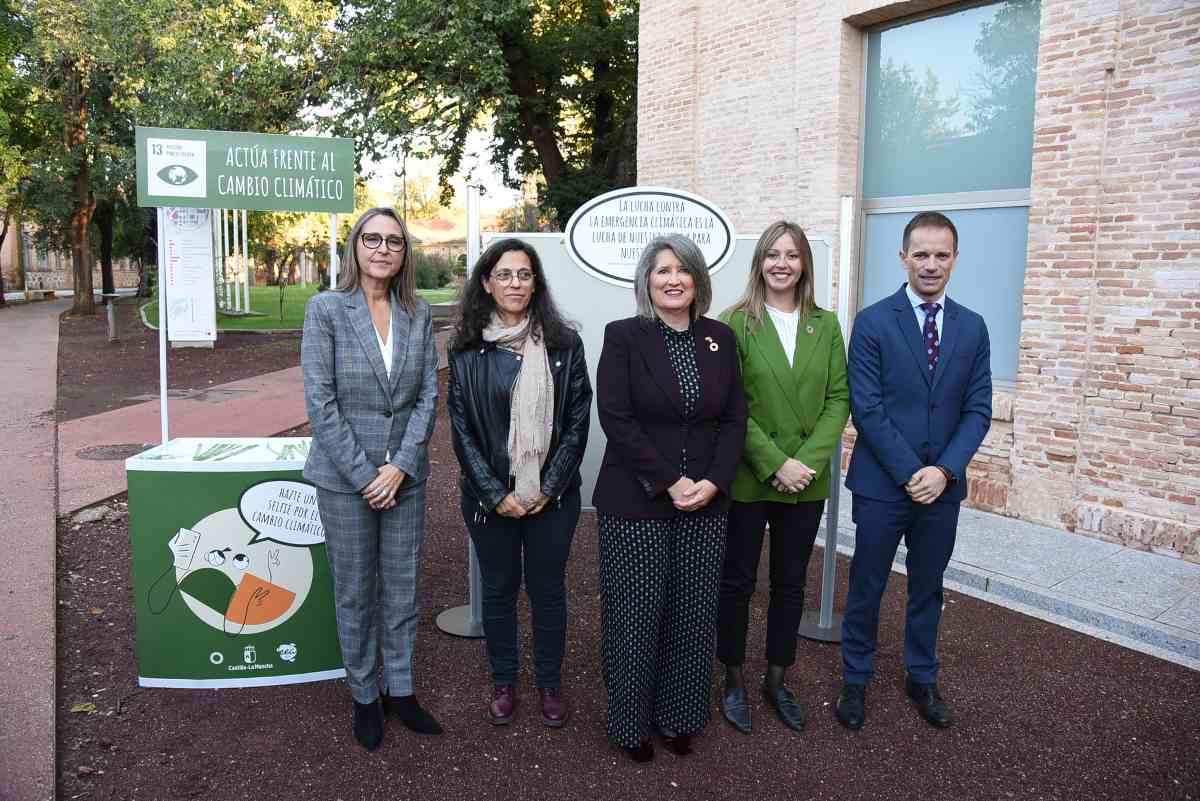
[
  {"x": 929, "y": 219},
  {"x": 476, "y": 305}
]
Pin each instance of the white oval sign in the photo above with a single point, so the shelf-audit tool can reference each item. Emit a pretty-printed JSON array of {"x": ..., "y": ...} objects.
[{"x": 606, "y": 235}]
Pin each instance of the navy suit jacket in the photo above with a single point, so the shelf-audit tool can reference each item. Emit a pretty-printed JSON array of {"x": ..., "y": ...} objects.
[{"x": 906, "y": 419}]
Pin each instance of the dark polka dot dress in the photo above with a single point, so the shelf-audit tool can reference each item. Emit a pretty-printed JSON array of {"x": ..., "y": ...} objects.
[{"x": 659, "y": 583}]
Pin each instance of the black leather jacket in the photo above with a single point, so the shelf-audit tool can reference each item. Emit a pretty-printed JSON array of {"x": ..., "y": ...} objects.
[{"x": 481, "y": 382}]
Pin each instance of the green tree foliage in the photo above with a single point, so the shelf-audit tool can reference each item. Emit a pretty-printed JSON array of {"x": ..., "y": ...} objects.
[
  {"x": 103, "y": 66},
  {"x": 556, "y": 78}
]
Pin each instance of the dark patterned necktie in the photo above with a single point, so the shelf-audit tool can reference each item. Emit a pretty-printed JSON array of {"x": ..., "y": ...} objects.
[{"x": 930, "y": 334}]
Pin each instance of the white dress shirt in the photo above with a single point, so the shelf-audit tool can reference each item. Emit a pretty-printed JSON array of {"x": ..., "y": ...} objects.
[
  {"x": 786, "y": 325},
  {"x": 385, "y": 350},
  {"x": 916, "y": 301}
]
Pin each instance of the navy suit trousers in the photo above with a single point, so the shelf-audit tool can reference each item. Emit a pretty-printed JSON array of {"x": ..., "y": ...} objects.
[{"x": 928, "y": 532}]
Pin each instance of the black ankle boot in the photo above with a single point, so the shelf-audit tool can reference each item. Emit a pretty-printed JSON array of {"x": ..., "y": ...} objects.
[
  {"x": 368, "y": 724},
  {"x": 411, "y": 714}
]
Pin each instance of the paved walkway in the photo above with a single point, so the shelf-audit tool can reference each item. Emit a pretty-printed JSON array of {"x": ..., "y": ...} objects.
[
  {"x": 252, "y": 407},
  {"x": 1141, "y": 600},
  {"x": 29, "y": 334}
]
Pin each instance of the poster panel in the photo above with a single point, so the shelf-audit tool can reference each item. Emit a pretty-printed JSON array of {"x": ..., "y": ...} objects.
[
  {"x": 231, "y": 581},
  {"x": 188, "y": 274}
]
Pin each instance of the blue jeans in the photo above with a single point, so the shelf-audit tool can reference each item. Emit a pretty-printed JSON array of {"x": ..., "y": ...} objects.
[{"x": 543, "y": 544}]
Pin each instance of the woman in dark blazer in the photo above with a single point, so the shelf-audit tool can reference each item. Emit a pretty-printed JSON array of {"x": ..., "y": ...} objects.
[
  {"x": 370, "y": 388},
  {"x": 670, "y": 402},
  {"x": 520, "y": 406},
  {"x": 794, "y": 372}
]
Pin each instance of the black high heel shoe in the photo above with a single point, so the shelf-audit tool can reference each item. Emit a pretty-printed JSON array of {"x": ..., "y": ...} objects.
[
  {"x": 679, "y": 744},
  {"x": 644, "y": 752}
]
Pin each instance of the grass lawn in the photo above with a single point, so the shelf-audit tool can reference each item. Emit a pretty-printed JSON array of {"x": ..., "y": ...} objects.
[{"x": 265, "y": 299}]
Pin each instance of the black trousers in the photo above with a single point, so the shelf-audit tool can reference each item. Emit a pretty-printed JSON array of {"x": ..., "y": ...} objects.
[
  {"x": 793, "y": 530},
  {"x": 544, "y": 541}
]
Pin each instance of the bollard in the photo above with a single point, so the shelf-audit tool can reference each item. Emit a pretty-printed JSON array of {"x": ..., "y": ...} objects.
[
  {"x": 825, "y": 626},
  {"x": 110, "y": 301},
  {"x": 466, "y": 620}
]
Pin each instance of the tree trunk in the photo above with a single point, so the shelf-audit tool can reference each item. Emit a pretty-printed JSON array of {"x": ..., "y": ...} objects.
[
  {"x": 104, "y": 217},
  {"x": 3, "y": 236},
  {"x": 537, "y": 123},
  {"x": 82, "y": 203},
  {"x": 149, "y": 252}
]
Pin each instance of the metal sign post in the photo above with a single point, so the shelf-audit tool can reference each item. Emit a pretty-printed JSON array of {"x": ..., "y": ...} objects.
[
  {"x": 162, "y": 322},
  {"x": 467, "y": 620},
  {"x": 826, "y": 626}
]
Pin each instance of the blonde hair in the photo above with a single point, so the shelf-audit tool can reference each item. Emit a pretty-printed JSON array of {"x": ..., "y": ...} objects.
[
  {"x": 403, "y": 284},
  {"x": 754, "y": 299}
]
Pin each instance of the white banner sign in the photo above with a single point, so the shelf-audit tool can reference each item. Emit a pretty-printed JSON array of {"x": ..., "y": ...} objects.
[
  {"x": 188, "y": 276},
  {"x": 606, "y": 235}
]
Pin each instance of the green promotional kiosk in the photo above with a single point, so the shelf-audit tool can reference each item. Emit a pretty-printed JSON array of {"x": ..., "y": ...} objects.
[{"x": 231, "y": 583}]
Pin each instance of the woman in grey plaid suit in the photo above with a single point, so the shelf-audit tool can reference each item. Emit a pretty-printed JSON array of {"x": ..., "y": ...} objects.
[{"x": 370, "y": 387}]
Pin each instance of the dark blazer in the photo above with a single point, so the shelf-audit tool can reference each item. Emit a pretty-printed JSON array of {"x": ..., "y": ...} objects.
[
  {"x": 905, "y": 419},
  {"x": 641, "y": 411},
  {"x": 357, "y": 412},
  {"x": 480, "y": 404}
]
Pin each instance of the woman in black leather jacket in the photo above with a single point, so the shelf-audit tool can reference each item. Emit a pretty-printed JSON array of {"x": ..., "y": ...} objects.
[{"x": 520, "y": 406}]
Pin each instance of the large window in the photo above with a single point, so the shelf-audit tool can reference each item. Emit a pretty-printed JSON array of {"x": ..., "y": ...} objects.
[{"x": 949, "y": 126}]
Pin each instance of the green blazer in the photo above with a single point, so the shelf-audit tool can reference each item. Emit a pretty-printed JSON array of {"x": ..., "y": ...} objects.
[{"x": 797, "y": 410}]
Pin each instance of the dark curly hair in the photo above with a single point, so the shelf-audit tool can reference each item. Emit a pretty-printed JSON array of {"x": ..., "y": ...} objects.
[{"x": 476, "y": 305}]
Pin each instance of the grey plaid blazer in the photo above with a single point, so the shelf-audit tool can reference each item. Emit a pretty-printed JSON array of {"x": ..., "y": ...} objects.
[{"x": 357, "y": 413}]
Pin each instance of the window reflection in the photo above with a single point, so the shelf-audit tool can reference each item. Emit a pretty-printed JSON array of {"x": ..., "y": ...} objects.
[{"x": 950, "y": 102}]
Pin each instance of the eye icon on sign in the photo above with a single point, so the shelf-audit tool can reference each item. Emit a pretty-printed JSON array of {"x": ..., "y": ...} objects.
[{"x": 177, "y": 174}]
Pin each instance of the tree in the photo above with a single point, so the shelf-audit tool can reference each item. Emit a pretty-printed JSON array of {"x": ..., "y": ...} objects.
[
  {"x": 16, "y": 121},
  {"x": 557, "y": 78},
  {"x": 104, "y": 64}
]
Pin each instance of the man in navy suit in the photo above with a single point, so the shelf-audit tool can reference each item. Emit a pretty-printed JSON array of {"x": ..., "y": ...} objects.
[{"x": 921, "y": 401}]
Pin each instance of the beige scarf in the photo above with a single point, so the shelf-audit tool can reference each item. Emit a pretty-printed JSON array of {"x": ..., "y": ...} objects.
[{"x": 531, "y": 415}]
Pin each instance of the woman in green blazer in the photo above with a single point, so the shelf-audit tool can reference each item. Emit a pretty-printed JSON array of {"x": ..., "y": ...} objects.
[{"x": 794, "y": 372}]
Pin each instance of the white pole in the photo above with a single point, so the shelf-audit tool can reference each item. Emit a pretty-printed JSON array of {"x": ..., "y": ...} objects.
[
  {"x": 472, "y": 226},
  {"x": 237, "y": 261},
  {"x": 225, "y": 257},
  {"x": 302, "y": 268},
  {"x": 246, "y": 262},
  {"x": 333, "y": 257},
  {"x": 162, "y": 321},
  {"x": 844, "y": 254}
]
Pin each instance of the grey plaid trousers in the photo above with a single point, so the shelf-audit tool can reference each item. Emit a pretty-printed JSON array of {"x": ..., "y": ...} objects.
[{"x": 375, "y": 557}]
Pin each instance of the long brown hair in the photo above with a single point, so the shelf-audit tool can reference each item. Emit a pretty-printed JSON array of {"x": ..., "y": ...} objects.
[
  {"x": 754, "y": 299},
  {"x": 403, "y": 284}
]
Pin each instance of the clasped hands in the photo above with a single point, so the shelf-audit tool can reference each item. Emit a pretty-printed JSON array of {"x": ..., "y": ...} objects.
[
  {"x": 794, "y": 476},
  {"x": 380, "y": 494},
  {"x": 926, "y": 484},
  {"x": 514, "y": 506},
  {"x": 688, "y": 495}
]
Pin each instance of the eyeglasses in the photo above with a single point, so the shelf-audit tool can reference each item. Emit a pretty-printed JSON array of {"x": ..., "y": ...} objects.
[
  {"x": 395, "y": 244},
  {"x": 504, "y": 276}
]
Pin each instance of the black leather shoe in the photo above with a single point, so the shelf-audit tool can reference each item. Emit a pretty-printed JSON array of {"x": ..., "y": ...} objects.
[
  {"x": 736, "y": 708},
  {"x": 411, "y": 714},
  {"x": 786, "y": 706},
  {"x": 643, "y": 753},
  {"x": 368, "y": 724},
  {"x": 851, "y": 706},
  {"x": 929, "y": 703},
  {"x": 679, "y": 744}
]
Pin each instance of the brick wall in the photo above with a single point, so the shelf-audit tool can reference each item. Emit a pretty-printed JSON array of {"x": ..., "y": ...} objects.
[
  {"x": 1107, "y": 414},
  {"x": 758, "y": 109}
]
